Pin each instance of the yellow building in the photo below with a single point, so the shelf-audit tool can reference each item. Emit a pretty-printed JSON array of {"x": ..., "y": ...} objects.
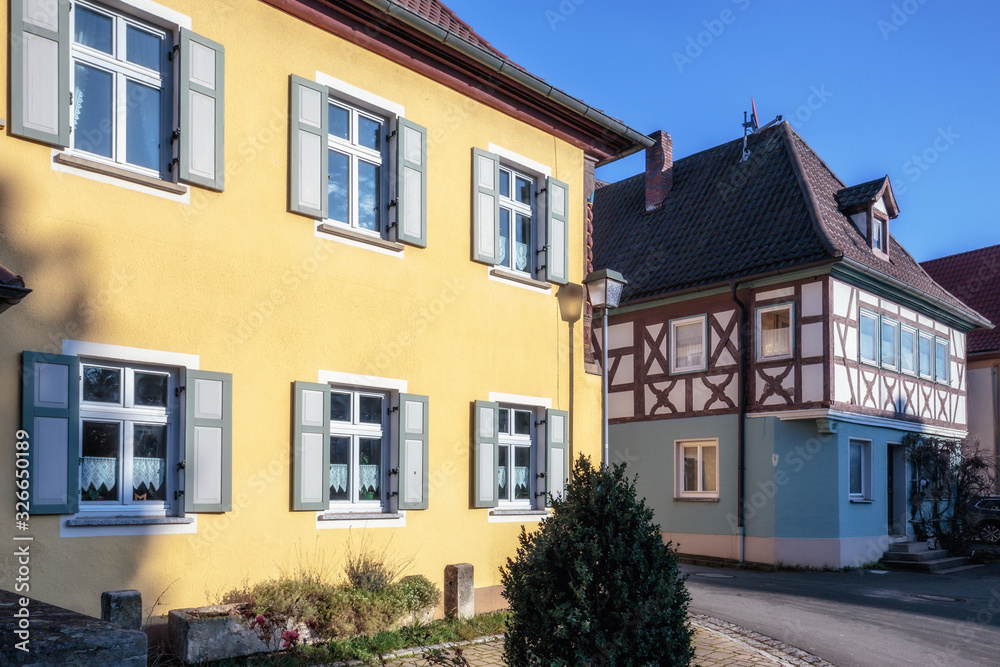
[{"x": 296, "y": 271}]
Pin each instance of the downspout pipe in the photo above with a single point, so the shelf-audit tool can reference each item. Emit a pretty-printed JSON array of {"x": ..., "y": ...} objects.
[
  {"x": 744, "y": 382},
  {"x": 996, "y": 425}
]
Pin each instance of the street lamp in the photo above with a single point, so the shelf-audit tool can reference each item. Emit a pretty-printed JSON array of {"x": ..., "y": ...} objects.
[{"x": 605, "y": 289}]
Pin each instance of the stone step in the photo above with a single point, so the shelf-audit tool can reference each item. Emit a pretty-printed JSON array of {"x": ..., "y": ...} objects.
[
  {"x": 927, "y": 565},
  {"x": 915, "y": 556},
  {"x": 907, "y": 547}
]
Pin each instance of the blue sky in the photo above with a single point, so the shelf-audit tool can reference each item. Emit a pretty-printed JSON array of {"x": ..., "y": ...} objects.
[{"x": 906, "y": 88}]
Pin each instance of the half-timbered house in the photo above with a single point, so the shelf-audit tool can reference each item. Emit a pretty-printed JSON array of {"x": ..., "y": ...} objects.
[{"x": 774, "y": 345}]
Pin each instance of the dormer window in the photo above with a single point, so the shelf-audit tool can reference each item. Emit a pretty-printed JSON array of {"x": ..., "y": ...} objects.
[{"x": 870, "y": 206}]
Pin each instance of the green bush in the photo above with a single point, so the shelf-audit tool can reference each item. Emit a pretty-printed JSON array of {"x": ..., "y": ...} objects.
[{"x": 595, "y": 584}]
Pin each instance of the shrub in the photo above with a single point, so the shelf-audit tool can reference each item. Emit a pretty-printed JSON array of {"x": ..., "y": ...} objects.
[
  {"x": 370, "y": 570},
  {"x": 595, "y": 584}
]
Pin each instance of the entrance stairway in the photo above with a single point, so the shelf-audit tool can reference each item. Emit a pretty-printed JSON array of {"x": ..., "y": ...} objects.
[{"x": 916, "y": 557}]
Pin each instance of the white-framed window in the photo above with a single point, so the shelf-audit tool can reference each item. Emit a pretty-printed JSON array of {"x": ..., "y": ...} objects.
[
  {"x": 879, "y": 234},
  {"x": 907, "y": 350},
  {"x": 942, "y": 360},
  {"x": 925, "y": 355},
  {"x": 518, "y": 220},
  {"x": 121, "y": 92},
  {"x": 860, "y": 472},
  {"x": 358, "y": 448},
  {"x": 358, "y": 166},
  {"x": 516, "y": 454},
  {"x": 868, "y": 337},
  {"x": 775, "y": 331},
  {"x": 889, "y": 343},
  {"x": 697, "y": 466},
  {"x": 688, "y": 343},
  {"x": 129, "y": 438}
]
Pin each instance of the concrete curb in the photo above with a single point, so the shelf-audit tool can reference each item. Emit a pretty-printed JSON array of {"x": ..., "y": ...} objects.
[
  {"x": 784, "y": 654},
  {"x": 416, "y": 650}
]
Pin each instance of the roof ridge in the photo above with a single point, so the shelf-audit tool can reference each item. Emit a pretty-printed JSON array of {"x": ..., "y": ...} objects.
[
  {"x": 959, "y": 254},
  {"x": 468, "y": 27},
  {"x": 812, "y": 204}
]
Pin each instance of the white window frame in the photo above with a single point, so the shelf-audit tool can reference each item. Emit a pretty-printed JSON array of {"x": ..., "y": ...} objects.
[
  {"x": 683, "y": 321},
  {"x": 679, "y": 478},
  {"x": 356, "y": 430},
  {"x": 877, "y": 338},
  {"x": 514, "y": 207},
  {"x": 883, "y": 234},
  {"x": 790, "y": 307},
  {"x": 889, "y": 322},
  {"x": 912, "y": 332},
  {"x": 356, "y": 154},
  {"x": 510, "y": 441},
  {"x": 127, "y": 415},
  {"x": 866, "y": 469},
  {"x": 926, "y": 373},
  {"x": 122, "y": 71},
  {"x": 945, "y": 377}
]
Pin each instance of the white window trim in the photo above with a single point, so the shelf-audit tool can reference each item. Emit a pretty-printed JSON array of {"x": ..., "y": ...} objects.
[
  {"x": 876, "y": 335},
  {"x": 521, "y": 162},
  {"x": 119, "y": 353},
  {"x": 946, "y": 381},
  {"x": 534, "y": 447},
  {"x": 681, "y": 321},
  {"x": 360, "y": 381},
  {"x": 354, "y": 430},
  {"x": 928, "y": 373},
  {"x": 867, "y": 459},
  {"x": 360, "y": 96},
  {"x": 679, "y": 492},
  {"x": 888, "y": 321},
  {"x": 916, "y": 349},
  {"x": 790, "y": 307},
  {"x": 531, "y": 401}
]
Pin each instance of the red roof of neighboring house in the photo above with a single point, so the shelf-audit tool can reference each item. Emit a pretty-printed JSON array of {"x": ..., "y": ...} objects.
[
  {"x": 436, "y": 12},
  {"x": 974, "y": 277}
]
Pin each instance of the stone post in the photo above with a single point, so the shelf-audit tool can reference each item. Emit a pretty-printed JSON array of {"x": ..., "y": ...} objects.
[
  {"x": 123, "y": 608},
  {"x": 459, "y": 591}
]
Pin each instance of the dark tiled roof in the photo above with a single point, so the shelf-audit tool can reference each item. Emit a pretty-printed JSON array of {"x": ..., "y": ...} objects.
[
  {"x": 725, "y": 219},
  {"x": 436, "y": 12},
  {"x": 974, "y": 277},
  {"x": 857, "y": 195}
]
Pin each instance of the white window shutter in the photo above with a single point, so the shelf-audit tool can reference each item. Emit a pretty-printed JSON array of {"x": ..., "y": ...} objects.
[
  {"x": 486, "y": 444},
  {"x": 311, "y": 482},
  {"x": 51, "y": 417},
  {"x": 308, "y": 168},
  {"x": 39, "y": 70},
  {"x": 202, "y": 123},
  {"x": 557, "y": 232},
  {"x": 556, "y": 453},
  {"x": 411, "y": 183},
  {"x": 412, "y": 430},
  {"x": 485, "y": 206},
  {"x": 208, "y": 442}
]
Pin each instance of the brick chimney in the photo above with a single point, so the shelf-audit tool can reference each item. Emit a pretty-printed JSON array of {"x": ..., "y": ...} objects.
[{"x": 659, "y": 169}]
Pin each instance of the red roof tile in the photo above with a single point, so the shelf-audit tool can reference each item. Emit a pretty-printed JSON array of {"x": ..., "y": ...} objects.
[
  {"x": 437, "y": 13},
  {"x": 974, "y": 277}
]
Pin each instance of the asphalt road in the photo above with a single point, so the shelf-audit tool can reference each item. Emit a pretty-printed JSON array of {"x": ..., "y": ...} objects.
[{"x": 862, "y": 619}]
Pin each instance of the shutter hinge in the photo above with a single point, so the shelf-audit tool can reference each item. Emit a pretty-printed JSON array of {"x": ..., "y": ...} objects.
[
  {"x": 539, "y": 493},
  {"x": 394, "y": 471},
  {"x": 544, "y": 248},
  {"x": 71, "y": 98},
  {"x": 542, "y": 191},
  {"x": 541, "y": 475},
  {"x": 393, "y": 494},
  {"x": 393, "y": 203},
  {"x": 173, "y": 51},
  {"x": 178, "y": 391},
  {"x": 540, "y": 422},
  {"x": 175, "y": 135},
  {"x": 392, "y": 409},
  {"x": 181, "y": 464},
  {"x": 170, "y": 166},
  {"x": 389, "y": 136},
  {"x": 178, "y": 494}
]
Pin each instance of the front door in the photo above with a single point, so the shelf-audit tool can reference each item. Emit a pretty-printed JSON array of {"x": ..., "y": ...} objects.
[{"x": 895, "y": 490}]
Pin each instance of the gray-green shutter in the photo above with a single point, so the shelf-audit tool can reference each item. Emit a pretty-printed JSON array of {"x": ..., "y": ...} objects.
[
  {"x": 202, "y": 99},
  {"x": 486, "y": 443},
  {"x": 308, "y": 166},
  {"x": 51, "y": 417},
  {"x": 411, "y": 183},
  {"x": 557, "y": 232},
  {"x": 208, "y": 442},
  {"x": 311, "y": 476},
  {"x": 39, "y": 70},
  {"x": 485, "y": 206},
  {"x": 556, "y": 453},
  {"x": 413, "y": 428}
]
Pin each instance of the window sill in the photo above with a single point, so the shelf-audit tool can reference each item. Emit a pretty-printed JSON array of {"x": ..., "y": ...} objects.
[
  {"x": 520, "y": 278},
  {"x": 124, "y": 174},
  {"x": 130, "y": 521},
  {"x": 862, "y": 501},
  {"x": 358, "y": 516},
  {"x": 695, "y": 500},
  {"x": 518, "y": 512},
  {"x": 345, "y": 233}
]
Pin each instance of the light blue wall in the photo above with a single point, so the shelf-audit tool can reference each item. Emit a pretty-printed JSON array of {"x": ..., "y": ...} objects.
[
  {"x": 796, "y": 479},
  {"x": 648, "y": 447}
]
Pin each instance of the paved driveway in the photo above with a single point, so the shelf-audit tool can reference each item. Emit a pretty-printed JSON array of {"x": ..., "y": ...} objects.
[{"x": 861, "y": 619}]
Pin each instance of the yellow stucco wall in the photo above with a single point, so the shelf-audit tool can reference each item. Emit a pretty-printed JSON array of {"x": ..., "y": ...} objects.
[{"x": 236, "y": 279}]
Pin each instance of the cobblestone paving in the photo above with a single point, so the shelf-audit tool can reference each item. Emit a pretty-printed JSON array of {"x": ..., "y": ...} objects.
[{"x": 717, "y": 644}]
